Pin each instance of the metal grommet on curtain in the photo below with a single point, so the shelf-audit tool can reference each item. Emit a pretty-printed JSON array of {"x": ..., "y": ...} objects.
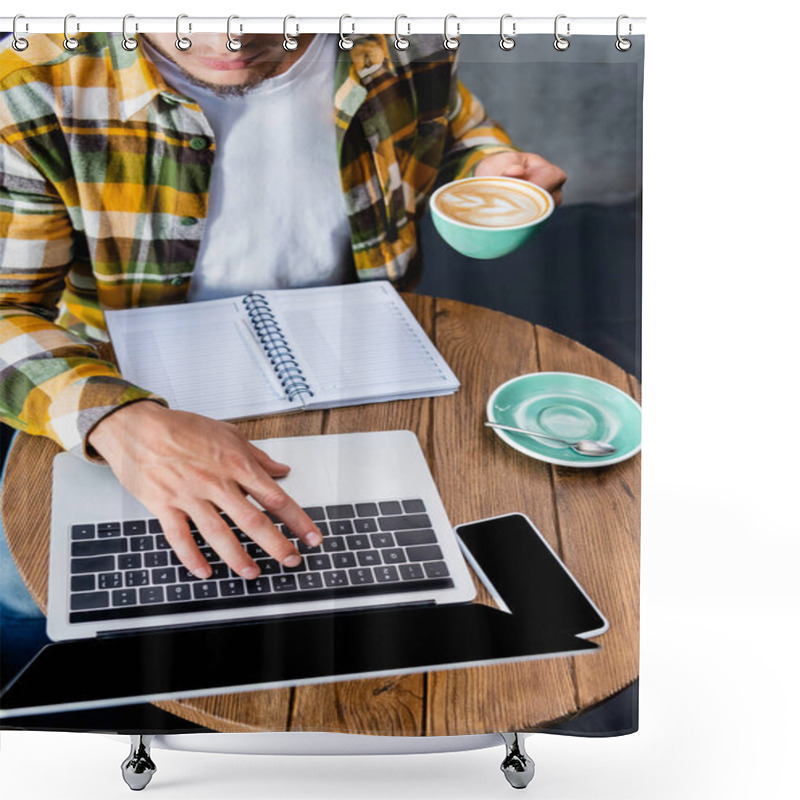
[
  {"x": 400, "y": 42},
  {"x": 70, "y": 42},
  {"x": 233, "y": 44},
  {"x": 344, "y": 42},
  {"x": 129, "y": 42},
  {"x": 18, "y": 42},
  {"x": 451, "y": 42},
  {"x": 182, "y": 42},
  {"x": 506, "y": 41},
  {"x": 289, "y": 42},
  {"x": 623, "y": 45},
  {"x": 561, "y": 43}
]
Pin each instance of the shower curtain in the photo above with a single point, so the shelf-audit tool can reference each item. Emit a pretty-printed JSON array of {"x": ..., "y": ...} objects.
[{"x": 383, "y": 234}]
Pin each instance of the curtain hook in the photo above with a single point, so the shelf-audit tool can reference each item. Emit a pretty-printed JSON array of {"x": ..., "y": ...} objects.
[
  {"x": 18, "y": 42},
  {"x": 182, "y": 42},
  {"x": 400, "y": 42},
  {"x": 233, "y": 44},
  {"x": 507, "y": 42},
  {"x": 344, "y": 42},
  {"x": 452, "y": 42},
  {"x": 623, "y": 44},
  {"x": 289, "y": 42},
  {"x": 70, "y": 42},
  {"x": 129, "y": 42},
  {"x": 561, "y": 43}
]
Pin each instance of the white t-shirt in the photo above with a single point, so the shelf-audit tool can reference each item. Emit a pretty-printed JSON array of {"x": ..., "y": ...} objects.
[{"x": 276, "y": 215}]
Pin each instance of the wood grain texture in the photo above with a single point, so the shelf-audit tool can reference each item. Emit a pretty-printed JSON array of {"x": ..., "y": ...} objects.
[
  {"x": 590, "y": 517},
  {"x": 27, "y": 493},
  {"x": 598, "y": 519},
  {"x": 479, "y": 476}
]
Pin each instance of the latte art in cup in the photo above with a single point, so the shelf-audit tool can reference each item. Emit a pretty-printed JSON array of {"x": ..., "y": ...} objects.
[
  {"x": 492, "y": 202},
  {"x": 489, "y": 217}
]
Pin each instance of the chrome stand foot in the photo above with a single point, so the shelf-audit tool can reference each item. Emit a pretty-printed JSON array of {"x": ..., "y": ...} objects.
[
  {"x": 138, "y": 768},
  {"x": 517, "y": 766}
]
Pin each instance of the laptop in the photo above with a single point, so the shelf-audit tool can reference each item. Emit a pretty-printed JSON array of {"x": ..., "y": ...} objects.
[
  {"x": 229, "y": 638},
  {"x": 386, "y": 541}
]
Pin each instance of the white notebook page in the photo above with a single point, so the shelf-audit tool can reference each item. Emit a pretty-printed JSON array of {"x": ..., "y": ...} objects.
[
  {"x": 360, "y": 341},
  {"x": 199, "y": 357}
]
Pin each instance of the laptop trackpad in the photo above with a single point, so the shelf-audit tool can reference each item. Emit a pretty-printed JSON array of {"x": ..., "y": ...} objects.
[{"x": 350, "y": 467}]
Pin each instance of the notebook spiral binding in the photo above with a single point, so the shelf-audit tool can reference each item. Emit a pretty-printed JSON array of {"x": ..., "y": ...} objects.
[{"x": 281, "y": 358}]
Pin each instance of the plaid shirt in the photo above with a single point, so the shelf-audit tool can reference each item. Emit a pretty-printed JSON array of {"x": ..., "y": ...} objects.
[{"x": 104, "y": 179}]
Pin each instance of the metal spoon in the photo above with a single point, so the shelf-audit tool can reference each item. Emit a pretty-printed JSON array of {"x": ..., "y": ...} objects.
[{"x": 584, "y": 447}]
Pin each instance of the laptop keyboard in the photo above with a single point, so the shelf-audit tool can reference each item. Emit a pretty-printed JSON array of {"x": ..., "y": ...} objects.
[{"x": 120, "y": 569}]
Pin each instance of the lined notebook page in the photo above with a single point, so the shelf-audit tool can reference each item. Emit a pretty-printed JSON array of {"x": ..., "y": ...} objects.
[
  {"x": 198, "y": 356},
  {"x": 360, "y": 342}
]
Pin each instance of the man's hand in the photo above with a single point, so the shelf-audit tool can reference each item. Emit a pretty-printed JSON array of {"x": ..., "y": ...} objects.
[
  {"x": 183, "y": 465},
  {"x": 528, "y": 167}
]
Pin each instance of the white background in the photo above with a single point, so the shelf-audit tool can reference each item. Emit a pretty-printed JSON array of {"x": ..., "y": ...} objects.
[{"x": 719, "y": 701}]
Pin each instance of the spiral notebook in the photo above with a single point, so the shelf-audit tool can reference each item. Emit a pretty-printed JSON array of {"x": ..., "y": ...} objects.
[{"x": 280, "y": 350}]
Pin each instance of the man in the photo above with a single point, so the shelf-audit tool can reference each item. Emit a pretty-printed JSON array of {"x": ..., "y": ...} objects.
[{"x": 160, "y": 176}]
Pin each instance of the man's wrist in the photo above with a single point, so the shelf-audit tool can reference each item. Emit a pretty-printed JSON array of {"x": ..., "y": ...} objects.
[
  {"x": 478, "y": 155},
  {"x": 113, "y": 425}
]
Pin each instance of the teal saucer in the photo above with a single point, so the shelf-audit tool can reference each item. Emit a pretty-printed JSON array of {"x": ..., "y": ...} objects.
[{"x": 571, "y": 407}]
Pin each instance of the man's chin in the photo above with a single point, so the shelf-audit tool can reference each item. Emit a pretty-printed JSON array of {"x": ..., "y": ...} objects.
[
  {"x": 227, "y": 77},
  {"x": 225, "y": 82}
]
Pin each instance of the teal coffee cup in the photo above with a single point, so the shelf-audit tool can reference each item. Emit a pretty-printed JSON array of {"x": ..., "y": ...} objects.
[{"x": 488, "y": 217}]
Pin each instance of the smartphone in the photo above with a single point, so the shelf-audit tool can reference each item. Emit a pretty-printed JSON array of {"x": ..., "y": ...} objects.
[{"x": 524, "y": 575}]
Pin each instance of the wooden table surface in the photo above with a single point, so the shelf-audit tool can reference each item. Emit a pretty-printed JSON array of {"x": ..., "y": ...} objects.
[{"x": 589, "y": 516}]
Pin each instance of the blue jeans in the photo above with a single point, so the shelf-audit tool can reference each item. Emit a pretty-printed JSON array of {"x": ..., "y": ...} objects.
[{"x": 22, "y": 624}]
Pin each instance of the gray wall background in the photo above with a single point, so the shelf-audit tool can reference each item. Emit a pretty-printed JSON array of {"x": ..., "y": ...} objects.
[{"x": 579, "y": 109}]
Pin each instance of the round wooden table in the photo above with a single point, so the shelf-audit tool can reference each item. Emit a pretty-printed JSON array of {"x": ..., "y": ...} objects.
[{"x": 589, "y": 516}]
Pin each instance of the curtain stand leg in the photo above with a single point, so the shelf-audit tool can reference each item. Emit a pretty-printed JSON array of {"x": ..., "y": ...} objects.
[
  {"x": 138, "y": 768},
  {"x": 517, "y": 766}
]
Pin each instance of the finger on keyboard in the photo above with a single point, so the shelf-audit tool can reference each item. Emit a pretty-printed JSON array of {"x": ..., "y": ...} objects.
[
  {"x": 180, "y": 537},
  {"x": 262, "y": 530},
  {"x": 280, "y": 506},
  {"x": 224, "y": 542}
]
